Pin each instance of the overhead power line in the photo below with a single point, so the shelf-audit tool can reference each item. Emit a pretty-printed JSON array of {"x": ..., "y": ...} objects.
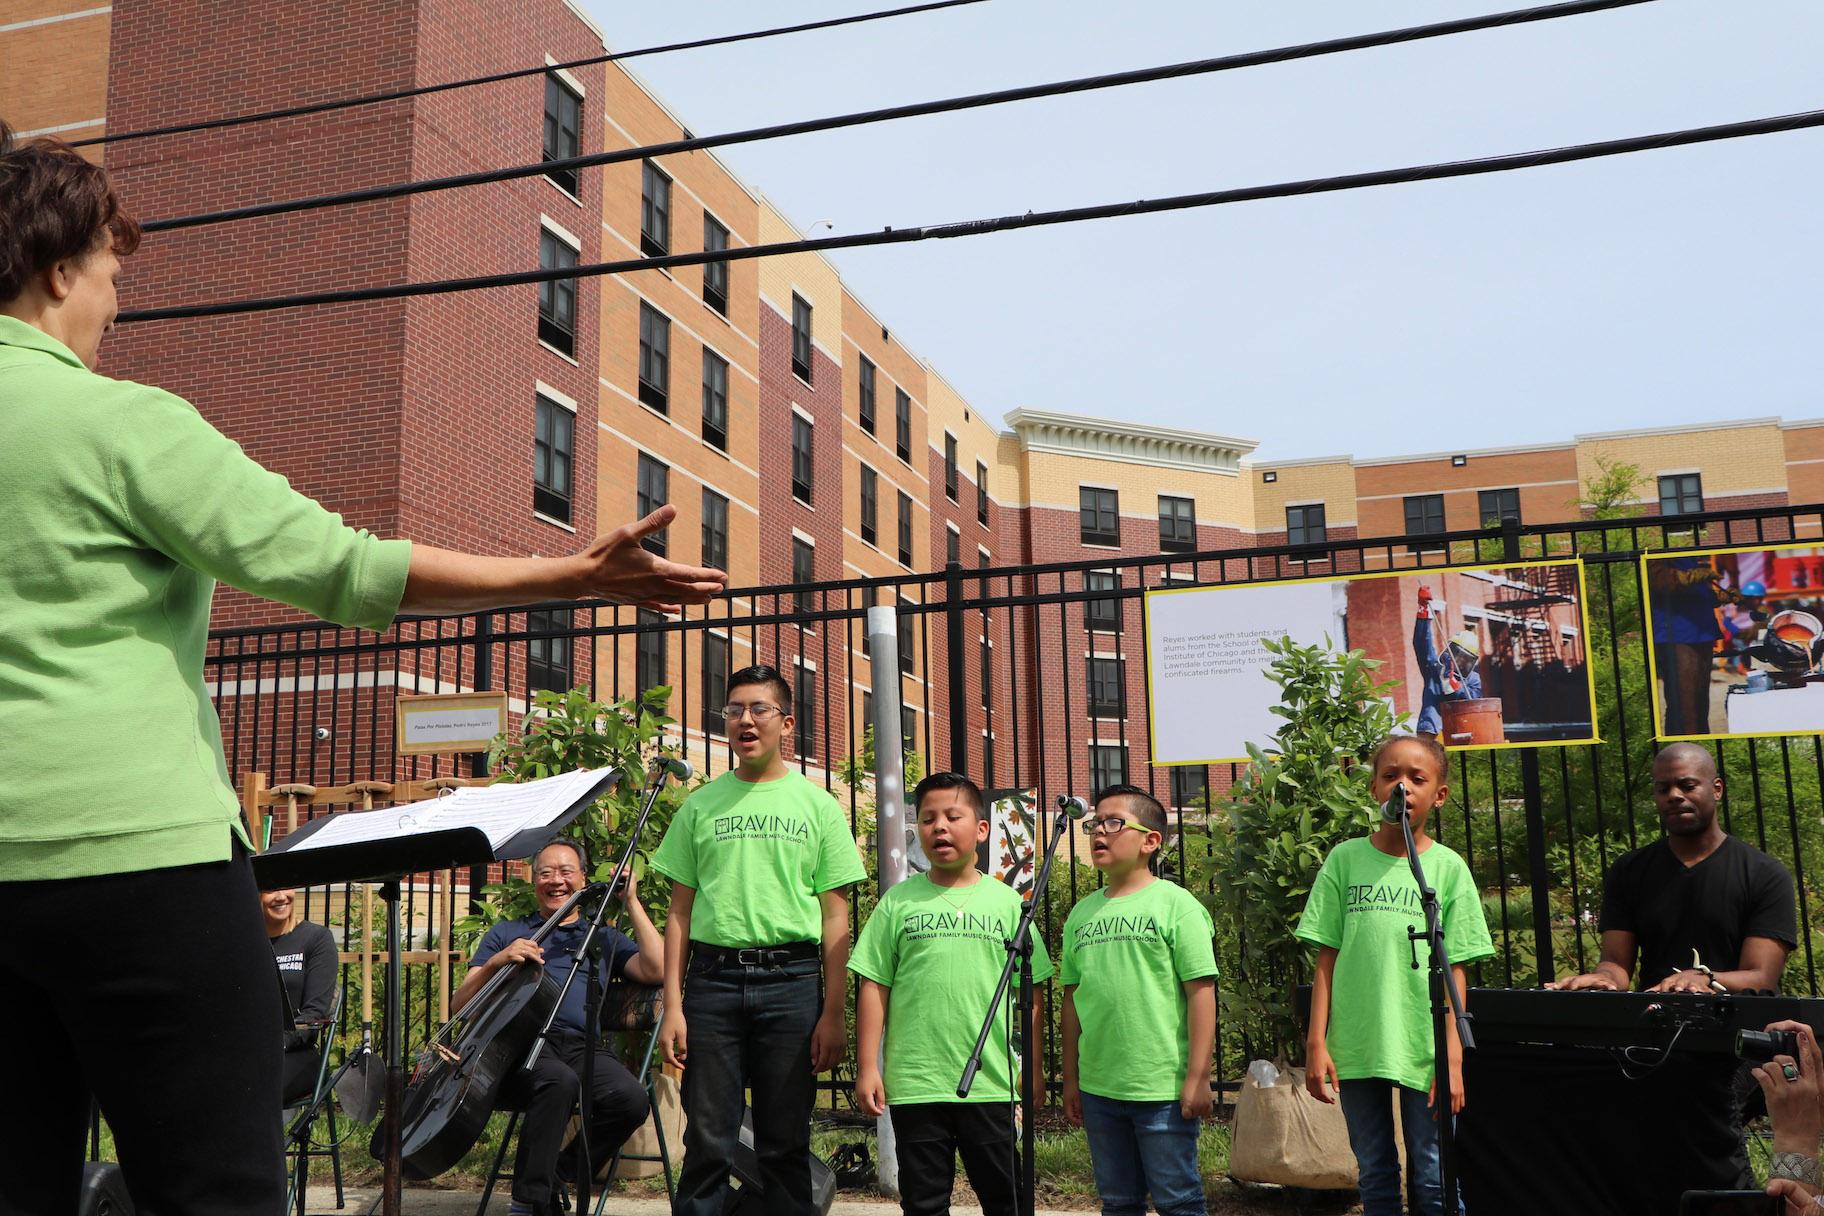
[
  {"x": 1199, "y": 67},
  {"x": 371, "y": 99},
  {"x": 1032, "y": 219}
]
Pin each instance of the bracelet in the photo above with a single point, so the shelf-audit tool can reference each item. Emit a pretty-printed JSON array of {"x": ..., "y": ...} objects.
[{"x": 1796, "y": 1166}]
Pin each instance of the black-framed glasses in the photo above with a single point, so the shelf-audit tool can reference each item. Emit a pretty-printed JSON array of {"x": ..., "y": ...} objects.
[{"x": 1111, "y": 824}]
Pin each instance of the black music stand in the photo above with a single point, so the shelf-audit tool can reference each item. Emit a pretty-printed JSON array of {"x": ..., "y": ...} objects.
[{"x": 386, "y": 862}]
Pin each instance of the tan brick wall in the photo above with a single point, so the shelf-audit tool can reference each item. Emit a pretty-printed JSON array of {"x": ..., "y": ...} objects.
[
  {"x": 1331, "y": 483},
  {"x": 1053, "y": 479},
  {"x": 54, "y": 74},
  {"x": 1547, "y": 479},
  {"x": 1733, "y": 459},
  {"x": 804, "y": 273},
  {"x": 1804, "y": 462}
]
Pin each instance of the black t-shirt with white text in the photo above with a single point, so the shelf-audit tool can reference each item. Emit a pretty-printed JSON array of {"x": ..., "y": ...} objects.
[
  {"x": 306, "y": 956},
  {"x": 1736, "y": 893}
]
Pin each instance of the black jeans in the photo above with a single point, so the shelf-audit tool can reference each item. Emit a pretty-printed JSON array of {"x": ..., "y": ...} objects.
[
  {"x": 547, "y": 1094},
  {"x": 748, "y": 1028},
  {"x": 927, "y": 1136},
  {"x": 155, "y": 991}
]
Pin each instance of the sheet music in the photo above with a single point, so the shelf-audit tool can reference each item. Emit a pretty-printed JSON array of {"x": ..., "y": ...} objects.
[{"x": 500, "y": 811}]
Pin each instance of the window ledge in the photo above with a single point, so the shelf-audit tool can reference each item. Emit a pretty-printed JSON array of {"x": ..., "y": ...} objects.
[
  {"x": 555, "y": 523},
  {"x": 570, "y": 359},
  {"x": 555, "y": 185}
]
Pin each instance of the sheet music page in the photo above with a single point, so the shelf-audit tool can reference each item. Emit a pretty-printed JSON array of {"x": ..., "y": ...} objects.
[{"x": 500, "y": 811}]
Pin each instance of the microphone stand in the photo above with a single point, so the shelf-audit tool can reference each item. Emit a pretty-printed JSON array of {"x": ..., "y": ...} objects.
[
  {"x": 592, "y": 992},
  {"x": 1019, "y": 953},
  {"x": 1446, "y": 1002}
]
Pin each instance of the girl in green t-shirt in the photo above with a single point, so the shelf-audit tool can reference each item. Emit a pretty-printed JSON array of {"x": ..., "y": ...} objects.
[{"x": 1360, "y": 909}]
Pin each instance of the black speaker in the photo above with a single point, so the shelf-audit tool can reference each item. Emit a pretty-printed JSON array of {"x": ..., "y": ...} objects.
[
  {"x": 744, "y": 1163},
  {"x": 104, "y": 1191}
]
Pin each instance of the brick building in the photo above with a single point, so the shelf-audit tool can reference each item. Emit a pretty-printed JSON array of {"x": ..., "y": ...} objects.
[{"x": 801, "y": 439}]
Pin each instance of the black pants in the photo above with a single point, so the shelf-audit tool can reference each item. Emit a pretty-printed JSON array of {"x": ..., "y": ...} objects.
[
  {"x": 299, "y": 1070},
  {"x": 927, "y": 1136},
  {"x": 547, "y": 1093},
  {"x": 154, "y": 991}
]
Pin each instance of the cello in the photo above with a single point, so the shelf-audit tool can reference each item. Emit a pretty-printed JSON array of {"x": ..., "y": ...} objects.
[{"x": 462, "y": 1068}]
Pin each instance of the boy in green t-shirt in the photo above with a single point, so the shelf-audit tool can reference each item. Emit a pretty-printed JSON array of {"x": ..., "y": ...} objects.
[
  {"x": 1358, "y": 914},
  {"x": 933, "y": 951},
  {"x": 1139, "y": 972},
  {"x": 760, "y": 861}
]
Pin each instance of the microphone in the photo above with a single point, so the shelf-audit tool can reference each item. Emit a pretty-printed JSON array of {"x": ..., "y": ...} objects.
[
  {"x": 676, "y": 767},
  {"x": 1395, "y": 804},
  {"x": 1070, "y": 804}
]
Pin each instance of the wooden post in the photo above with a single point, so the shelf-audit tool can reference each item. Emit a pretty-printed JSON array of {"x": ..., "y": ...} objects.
[{"x": 252, "y": 786}]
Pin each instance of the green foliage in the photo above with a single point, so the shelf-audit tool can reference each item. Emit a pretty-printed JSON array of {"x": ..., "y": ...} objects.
[
  {"x": 858, "y": 770},
  {"x": 564, "y": 733},
  {"x": 1610, "y": 492},
  {"x": 1302, "y": 795}
]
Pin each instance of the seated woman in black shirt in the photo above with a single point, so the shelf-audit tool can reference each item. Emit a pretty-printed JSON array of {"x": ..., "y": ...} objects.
[{"x": 306, "y": 956}]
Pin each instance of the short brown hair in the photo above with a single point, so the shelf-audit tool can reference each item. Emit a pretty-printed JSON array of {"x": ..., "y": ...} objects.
[{"x": 55, "y": 206}]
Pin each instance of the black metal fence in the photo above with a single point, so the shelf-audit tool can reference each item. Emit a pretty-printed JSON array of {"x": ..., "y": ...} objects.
[{"x": 1000, "y": 677}]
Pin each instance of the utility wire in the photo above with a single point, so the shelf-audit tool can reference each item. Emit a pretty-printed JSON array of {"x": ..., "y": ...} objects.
[
  {"x": 319, "y": 107},
  {"x": 1198, "y": 67},
  {"x": 1032, "y": 219}
]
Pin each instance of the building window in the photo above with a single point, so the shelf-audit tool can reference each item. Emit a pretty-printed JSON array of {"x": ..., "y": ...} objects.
[
  {"x": 548, "y": 659},
  {"x": 655, "y": 358},
  {"x": 1107, "y": 765},
  {"x": 905, "y": 528},
  {"x": 804, "y": 710},
  {"x": 715, "y": 274},
  {"x": 1191, "y": 787},
  {"x": 715, "y": 683},
  {"x": 804, "y": 573},
  {"x": 1100, "y": 516},
  {"x": 985, "y": 653},
  {"x": 1424, "y": 514},
  {"x": 902, "y": 425},
  {"x": 1493, "y": 506},
  {"x": 1104, "y": 612},
  {"x": 649, "y": 652},
  {"x": 563, "y": 131},
  {"x": 866, "y": 413},
  {"x": 554, "y": 432},
  {"x": 556, "y": 297},
  {"x": 981, "y": 493},
  {"x": 655, "y": 212},
  {"x": 801, "y": 338},
  {"x": 654, "y": 491},
  {"x": 801, "y": 458},
  {"x": 1304, "y": 526},
  {"x": 1177, "y": 524},
  {"x": 870, "y": 505},
  {"x": 908, "y": 728},
  {"x": 715, "y": 399},
  {"x": 949, "y": 466},
  {"x": 1681, "y": 494},
  {"x": 715, "y": 530},
  {"x": 1107, "y": 688},
  {"x": 987, "y": 762},
  {"x": 953, "y": 547},
  {"x": 908, "y": 636}
]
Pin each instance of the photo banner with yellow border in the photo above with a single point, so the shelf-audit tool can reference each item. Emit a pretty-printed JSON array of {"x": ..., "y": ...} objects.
[
  {"x": 1481, "y": 656},
  {"x": 1735, "y": 641}
]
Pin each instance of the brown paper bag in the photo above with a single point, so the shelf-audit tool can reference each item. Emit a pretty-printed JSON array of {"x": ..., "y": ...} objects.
[
  {"x": 1285, "y": 1136},
  {"x": 645, "y": 1142}
]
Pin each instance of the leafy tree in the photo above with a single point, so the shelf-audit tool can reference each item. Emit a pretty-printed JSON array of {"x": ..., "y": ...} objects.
[{"x": 1611, "y": 492}]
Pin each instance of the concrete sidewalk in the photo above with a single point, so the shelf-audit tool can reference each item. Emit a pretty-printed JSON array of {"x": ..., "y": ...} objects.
[{"x": 427, "y": 1202}]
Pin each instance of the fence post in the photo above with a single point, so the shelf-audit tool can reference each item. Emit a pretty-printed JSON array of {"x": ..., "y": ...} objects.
[
  {"x": 889, "y": 807},
  {"x": 959, "y": 695},
  {"x": 478, "y": 761},
  {"x": 1538, "y": 879}
]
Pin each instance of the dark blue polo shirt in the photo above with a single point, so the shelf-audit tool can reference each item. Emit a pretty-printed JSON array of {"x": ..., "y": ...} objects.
[{"x": 560, "y": 946}]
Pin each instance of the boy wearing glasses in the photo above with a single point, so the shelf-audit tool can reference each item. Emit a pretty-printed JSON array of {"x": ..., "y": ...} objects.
[
  {"x": 760, "y": 861},
  {"x": 1139, "y": 972},
  {"x": 929, "y": 958}
]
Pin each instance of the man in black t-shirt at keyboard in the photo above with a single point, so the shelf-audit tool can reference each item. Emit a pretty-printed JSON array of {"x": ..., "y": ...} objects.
[{"x": 1701, "y": 910}]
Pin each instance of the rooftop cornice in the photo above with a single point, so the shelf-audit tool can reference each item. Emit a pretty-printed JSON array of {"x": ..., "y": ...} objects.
[{"x": 1132, "y": 442}]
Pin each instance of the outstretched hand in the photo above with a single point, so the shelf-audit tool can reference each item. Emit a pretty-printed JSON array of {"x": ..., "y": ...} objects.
[{"x": 617, "y": 567}]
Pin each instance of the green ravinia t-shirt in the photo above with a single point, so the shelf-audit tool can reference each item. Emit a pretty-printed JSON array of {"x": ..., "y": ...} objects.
[
  {"x": 1129, "y": 958},
  {"x": 1362, "y": 904},
  {"x": 940, "y": 950},
  {"x": 758, "y": 854}
]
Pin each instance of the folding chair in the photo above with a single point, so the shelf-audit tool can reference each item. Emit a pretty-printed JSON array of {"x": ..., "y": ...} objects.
[
  {"x": 300, "y": 1120},
  {"x": 626, "y": 1008}
]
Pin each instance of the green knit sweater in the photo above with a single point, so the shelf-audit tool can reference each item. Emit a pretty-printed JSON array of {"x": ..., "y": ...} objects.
[{"x": 121, "y": 508}]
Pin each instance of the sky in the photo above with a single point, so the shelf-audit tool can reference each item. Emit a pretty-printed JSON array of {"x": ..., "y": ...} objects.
[{"x": 1655, "y": 289}]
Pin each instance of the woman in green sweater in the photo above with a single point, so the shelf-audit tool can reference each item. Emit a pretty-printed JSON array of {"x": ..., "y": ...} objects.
[{"x": 141, "y": 970}]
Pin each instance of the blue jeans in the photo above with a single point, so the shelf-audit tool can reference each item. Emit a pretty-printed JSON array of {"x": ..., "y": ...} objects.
[
  {"x": 1141, "y": 1147},
  {"x": 1368, "y": 1110},
  {"x": 748, "y": 1028}
]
